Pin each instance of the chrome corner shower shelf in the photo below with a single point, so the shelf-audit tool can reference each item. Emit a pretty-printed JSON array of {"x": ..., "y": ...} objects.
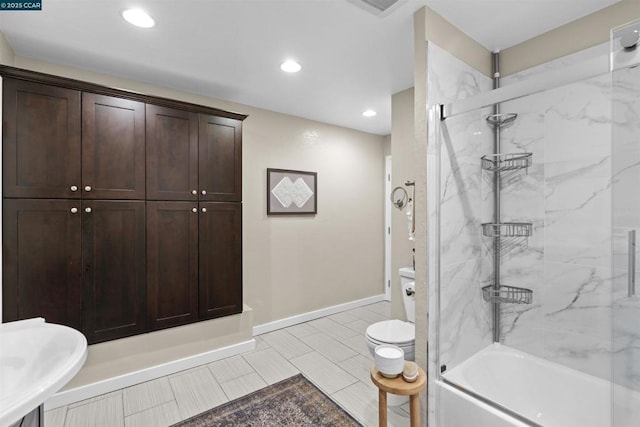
[
  {"x": 507, "y": 229},
  {"x": 507, "y": 294},
  {"x": 505, "y": 162},
  {"x": 500, "y": 120}
]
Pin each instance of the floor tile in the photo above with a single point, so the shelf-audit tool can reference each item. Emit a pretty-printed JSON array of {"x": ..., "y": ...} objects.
[
  {"x": 96, "y": 398},
  {"x": 383, "y": 307},
  {"x": 358, "y": 344},
  {"x": 362, "y": 403},
  {"x": 329, "y": 347},
  {"x": 322, "y": 372},
  {"x": 241, "y": 386},
  {"x": 286, "y": 344},
  {"x": 360, "y": 326},
  {"x": 270, "y": 365},
  {"x": 196, "y": 391},
  {"x": 368, "y": 315},
  {"x": 343, "y": 317},
  {"x": 332, "y": 328},
  {"x": 359, "y": 367},
  {"x": 261, "y": 344},
  {"x": 107, "y": 412},
  {"x": 230, "y": 368},
  {"x": 406, "y": 408},
  {"x": 302, "y": 330},
  {"x": 159, "y": 416},
  {"x": 146, "y": 395},
  {"x": 55, "y": 417}
]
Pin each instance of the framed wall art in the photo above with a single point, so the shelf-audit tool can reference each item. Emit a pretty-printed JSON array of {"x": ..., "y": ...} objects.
[{"x": 291, "y": 192}]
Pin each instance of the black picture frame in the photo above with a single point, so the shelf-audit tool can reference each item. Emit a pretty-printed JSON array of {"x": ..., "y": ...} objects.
[{"x": 292, "y": 192}]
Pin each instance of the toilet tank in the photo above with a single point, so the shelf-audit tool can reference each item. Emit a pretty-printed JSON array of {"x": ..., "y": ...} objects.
[
  {"x": 407, "y": 273},
  {"x": 407, "y": 282}
]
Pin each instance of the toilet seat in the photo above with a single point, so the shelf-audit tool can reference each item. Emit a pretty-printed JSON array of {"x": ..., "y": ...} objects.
[{"x": 397, "y": 332}]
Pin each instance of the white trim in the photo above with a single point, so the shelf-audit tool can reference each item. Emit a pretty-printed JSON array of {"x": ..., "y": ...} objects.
[
  {"x": 552, "y": 79},
  {"x": 312, "y": 315},
  {"x": 387, "y": 228},
  {"x": 106, "y": 386}
]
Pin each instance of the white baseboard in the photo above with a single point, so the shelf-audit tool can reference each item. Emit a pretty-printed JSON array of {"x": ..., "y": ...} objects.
[
  {"x": 106, "y": 386},
  {"x": 312, "y": 315}
]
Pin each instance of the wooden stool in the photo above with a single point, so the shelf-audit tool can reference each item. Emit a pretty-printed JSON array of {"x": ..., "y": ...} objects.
[{"x": 401, "y": 387}]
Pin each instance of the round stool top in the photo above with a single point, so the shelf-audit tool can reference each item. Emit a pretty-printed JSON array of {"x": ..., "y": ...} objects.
[{"x": 398, "y": 385}]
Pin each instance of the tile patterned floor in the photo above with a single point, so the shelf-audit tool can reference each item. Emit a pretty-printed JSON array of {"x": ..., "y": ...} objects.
[{"x": 331, "y": 352}]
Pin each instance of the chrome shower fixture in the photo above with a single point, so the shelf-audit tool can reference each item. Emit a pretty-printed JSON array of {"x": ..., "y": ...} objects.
[
  {"x": 499, "y": 120},
  {"x": 630, "y": 38},
  {"x": 399, "y": 196}
]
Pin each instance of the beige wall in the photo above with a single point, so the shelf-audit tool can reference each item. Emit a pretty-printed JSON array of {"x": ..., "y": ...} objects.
[
  {"x": 580, "y": 34},
  {"x": 293, "y": 265},
  {"x": 386, "y": 145},
  {"x": 403, "y": 170}
]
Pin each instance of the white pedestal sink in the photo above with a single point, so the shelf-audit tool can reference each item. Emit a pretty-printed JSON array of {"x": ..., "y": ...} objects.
[{"x": 36, "y": 360}]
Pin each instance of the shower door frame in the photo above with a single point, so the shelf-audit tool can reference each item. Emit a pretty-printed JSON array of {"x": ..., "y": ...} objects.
[{"x": 441, "y": 112}]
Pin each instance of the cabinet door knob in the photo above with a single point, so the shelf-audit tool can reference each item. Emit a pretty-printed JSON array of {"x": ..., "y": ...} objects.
[
  {"x": 204, "y": 209},
  {"x": 74, "y": 188},
  {"x": 74, "y": 210},
  {"x": 194, "y": 210},
  {"x": 87, "y": 188},
  {"x": 194, "y": 192},
  {"x": 87, "y": 210},
  {"x": 204, "y": 192}
]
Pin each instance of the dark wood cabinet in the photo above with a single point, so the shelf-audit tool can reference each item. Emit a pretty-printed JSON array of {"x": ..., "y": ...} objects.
[
  {"x": 40, "y": 140},
  {"x": 113, "y": 254},
  {"x": 220, "y": 254},
  {"x": 42, "y": 260},
  {"x": 220, "y": 159},
  {"x": 113, "y": 148},
  {"x": 172, "y": 263},
  {"x": 99, "y": 191},
  {"x": 172, "y": 154}
]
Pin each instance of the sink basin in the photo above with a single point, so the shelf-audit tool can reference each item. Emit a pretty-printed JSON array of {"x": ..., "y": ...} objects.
[{"x": 36, "y": 360}]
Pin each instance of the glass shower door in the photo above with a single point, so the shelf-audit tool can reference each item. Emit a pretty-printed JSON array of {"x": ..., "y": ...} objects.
[{"x": 625, "y": 61}]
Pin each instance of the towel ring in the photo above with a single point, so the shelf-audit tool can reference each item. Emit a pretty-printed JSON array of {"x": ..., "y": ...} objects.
[{"x": 399, "y": 197}]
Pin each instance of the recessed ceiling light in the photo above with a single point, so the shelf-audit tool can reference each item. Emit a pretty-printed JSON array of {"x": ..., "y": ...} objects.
[
  {"x": 139, "y": 18},
  {"x": 369, "y": 113},
  {"x": 290, "y": 66}
]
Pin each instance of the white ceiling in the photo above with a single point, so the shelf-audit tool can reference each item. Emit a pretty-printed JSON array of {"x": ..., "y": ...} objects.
[{"x": 231, "y": 49}]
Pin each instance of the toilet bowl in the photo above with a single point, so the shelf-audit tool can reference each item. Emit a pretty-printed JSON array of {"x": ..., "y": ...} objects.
[
  {"x": 395, "y": 332},
  {"x": 398, "y": 332}
]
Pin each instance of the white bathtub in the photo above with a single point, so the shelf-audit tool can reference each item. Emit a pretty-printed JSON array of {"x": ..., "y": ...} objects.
[{"x": 531, "y": 391}]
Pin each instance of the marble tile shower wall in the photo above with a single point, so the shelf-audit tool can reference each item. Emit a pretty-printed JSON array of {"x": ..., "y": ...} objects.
[
  {"x": 465, "y": 320},
  {"x": 566, "y": 194},
  {"x": 626, "y": 217}
]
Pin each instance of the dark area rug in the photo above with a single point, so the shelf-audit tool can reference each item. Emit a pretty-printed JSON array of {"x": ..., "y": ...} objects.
[{"x": 292, "y": 402}]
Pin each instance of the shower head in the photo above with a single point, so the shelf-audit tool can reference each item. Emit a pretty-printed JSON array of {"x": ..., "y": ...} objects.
[{"x": 630, "y": 38}]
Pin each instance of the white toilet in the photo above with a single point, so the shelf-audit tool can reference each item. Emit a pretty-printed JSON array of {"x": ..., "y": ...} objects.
[{"x": 397, "y": 332}]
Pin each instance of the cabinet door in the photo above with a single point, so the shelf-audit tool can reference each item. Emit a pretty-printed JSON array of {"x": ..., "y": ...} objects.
[
  {"x": 42, "y": 260},
  {"x": 113, "y": 138},
  {"x": 220, "y": 253},
  {"x": 41, "y": 140},
  {"x": 172, "y": 263},
  {"x": 113, "y": 254},
  {"x": 220, "y": 159},
  {"x": 172, "y": 154}
]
